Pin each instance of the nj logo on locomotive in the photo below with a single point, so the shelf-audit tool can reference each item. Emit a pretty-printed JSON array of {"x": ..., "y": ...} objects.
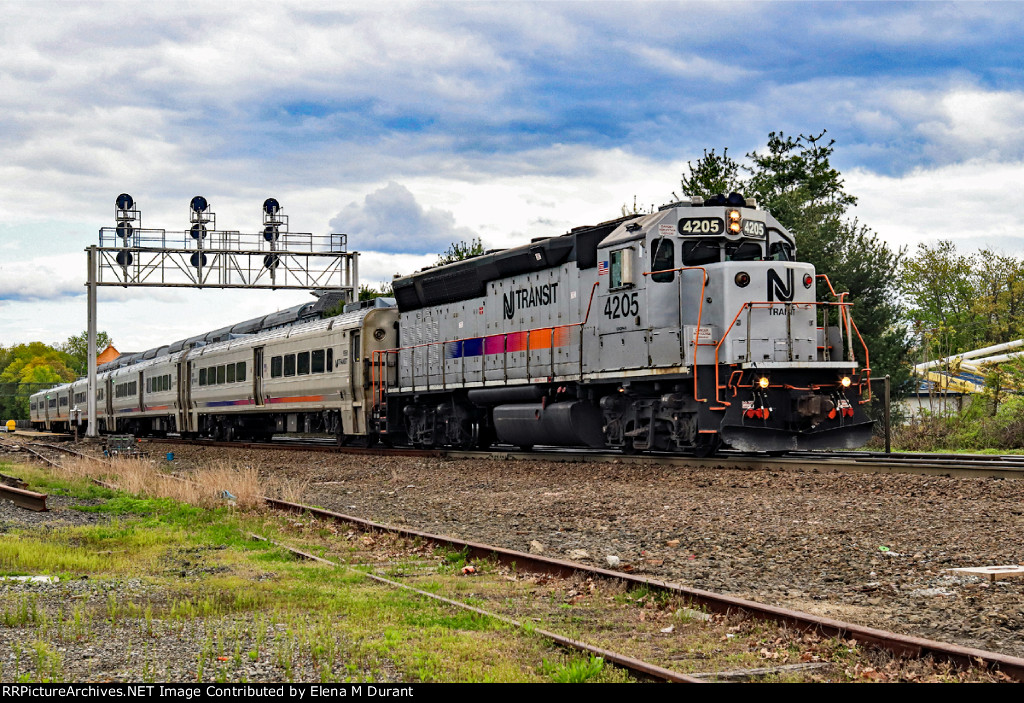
[
  {"x": 778, "y": 289},
  {"x": 529, "y": 297}
]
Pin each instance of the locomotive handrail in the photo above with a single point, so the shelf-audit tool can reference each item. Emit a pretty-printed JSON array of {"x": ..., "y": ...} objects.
[
  {"x": 749, "y": 305},
  {"x": 379, "y": 356},
  {"x": 844, "y": 318},
  {"x": 700, "y": 315},
  {"x": 851, "y": 325}
]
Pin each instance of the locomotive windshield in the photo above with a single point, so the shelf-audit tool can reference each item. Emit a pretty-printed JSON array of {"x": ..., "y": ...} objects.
[{"x": 710, "y": 251}]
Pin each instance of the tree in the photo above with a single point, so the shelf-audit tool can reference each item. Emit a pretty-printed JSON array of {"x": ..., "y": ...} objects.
[
  {"x": 28, "y": 368},
  {"x": 368, "y": 293},
  {"x": 459, "y": 251},
  {"x": 938, "y": 287},
  {"x": 712, "y": 174},
  {"x": 77, "y": 347}
]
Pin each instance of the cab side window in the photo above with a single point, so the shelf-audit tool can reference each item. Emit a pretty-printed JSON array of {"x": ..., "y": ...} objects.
[{"x": 663, "y": 257}]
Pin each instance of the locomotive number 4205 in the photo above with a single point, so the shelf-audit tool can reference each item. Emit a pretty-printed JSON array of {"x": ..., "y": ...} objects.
[{"x": 624, "y": 305}]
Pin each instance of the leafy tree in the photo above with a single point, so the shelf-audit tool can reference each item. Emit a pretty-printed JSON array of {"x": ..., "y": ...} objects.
[
  {"x": 77, "y": 347},
  {"x": 28, "y": 368},
  {"x": 712, "y": 174},
  {"x": 938, "y": 287},
  {"x": 458, "y": 251},
  {"x": 369, "y": 293}
]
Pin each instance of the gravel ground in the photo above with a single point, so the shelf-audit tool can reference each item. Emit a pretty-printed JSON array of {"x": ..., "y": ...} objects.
[{"x": 872, "y": 549}]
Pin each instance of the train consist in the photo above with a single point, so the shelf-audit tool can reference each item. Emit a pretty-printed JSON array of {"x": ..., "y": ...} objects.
[{"x": 688, "y": 329}]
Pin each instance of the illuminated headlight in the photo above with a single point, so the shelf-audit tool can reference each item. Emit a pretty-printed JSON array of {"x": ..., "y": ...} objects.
[
  {"x": 734, "y": 222},
  {"x": 763, "y": 382},
  {"x": 742, "y": 279},
  {"x": 845, "y": 382},
  {"x": 808, "y": 280}
]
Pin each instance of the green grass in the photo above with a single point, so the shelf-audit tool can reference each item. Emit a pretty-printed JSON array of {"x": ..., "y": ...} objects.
[{"x": 254, "y": 601}]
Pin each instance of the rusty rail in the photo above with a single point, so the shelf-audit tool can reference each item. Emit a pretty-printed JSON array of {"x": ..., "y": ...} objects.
[
  {"x": 30, "y": 500},
  {"x": 900, "y": 645},
  {"x": 623, "y": 661}
]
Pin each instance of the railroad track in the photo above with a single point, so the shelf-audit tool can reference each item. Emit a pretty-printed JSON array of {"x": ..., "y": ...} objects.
[
  {"x": 894, "y": 643},
  {"x": 900, "y": 645},
  {"x": 960, "y": 465}
]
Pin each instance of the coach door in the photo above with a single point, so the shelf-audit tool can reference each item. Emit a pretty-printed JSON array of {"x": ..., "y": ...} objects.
[
  {"x": 108, "y": 399},
  {"x": 184, "y": 395},
  {"x": 356, "y": 380},
  {"x": 257, "y": 375},
  {"x": 142, "y": 398}
]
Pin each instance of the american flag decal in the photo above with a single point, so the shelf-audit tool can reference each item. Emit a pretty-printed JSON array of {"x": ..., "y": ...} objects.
[{"x": 602, "y": 268}]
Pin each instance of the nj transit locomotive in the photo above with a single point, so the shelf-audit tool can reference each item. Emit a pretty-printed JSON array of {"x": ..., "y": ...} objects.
[{"x": 687, "y": 329}]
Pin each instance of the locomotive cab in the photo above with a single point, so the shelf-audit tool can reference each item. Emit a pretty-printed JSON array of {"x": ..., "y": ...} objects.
[{"x": 710, "y": 292}]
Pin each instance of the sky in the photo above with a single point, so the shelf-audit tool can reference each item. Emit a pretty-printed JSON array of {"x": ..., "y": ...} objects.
[{"x": 412, "y": 125}]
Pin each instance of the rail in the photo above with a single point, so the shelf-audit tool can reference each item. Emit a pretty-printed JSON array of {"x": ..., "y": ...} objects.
[
  {"x": 751, "y": 305},
  {"x": 379, "y": 357},
  {"x": 700, "y": 314}
]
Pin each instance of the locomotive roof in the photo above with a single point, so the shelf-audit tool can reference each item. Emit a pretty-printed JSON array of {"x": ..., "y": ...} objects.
[{"x": 467, "y": 279}]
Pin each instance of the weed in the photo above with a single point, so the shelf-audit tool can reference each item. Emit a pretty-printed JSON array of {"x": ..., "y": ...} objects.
[{"x": 576, "y": 671}]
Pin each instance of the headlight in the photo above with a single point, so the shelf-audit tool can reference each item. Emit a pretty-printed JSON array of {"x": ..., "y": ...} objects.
[
  {"x": 742, "y": 279},
  {"x": 763, "y": 382},
  {"x": 734, "y": 221},
  {"x": 845, "y": 382}
]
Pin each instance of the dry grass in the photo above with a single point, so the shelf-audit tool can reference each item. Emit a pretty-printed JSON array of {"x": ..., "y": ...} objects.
[
  {"x": 292, "y": 489},
  {"x": 207, "y": 487}
]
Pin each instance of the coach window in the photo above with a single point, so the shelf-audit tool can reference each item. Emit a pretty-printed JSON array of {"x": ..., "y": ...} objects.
[
  {"x": 330, "y": 359},
  {"x": 231, "y": 373},
  {"x": 220, "y": 374},
  {"x": 289, "y": 365},
  {"x": 663, "y": 258},
  {"x": 240, "y": 371},
  {"x": 202, "y": 377},
  {"x": 276, "y": 367},
  {"x": 303, "y": 363},
  {"x": 318, "y": 361}
]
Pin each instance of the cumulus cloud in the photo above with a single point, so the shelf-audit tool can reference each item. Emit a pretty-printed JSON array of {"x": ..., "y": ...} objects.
[
  {"x": 506, "y": 123},
  {"x": 962, "y": 202},
  {"x": 390, "y": 220}
]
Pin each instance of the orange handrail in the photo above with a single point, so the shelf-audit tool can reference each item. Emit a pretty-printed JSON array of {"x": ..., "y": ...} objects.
[
  {"x": 752, "y": 305},
  {"x": 700, "y": 315},
  {"x": 381, "y": 354}
]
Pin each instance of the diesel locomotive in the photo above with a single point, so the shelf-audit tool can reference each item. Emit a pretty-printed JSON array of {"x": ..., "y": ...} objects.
[{"x": 688, "y": 329}]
